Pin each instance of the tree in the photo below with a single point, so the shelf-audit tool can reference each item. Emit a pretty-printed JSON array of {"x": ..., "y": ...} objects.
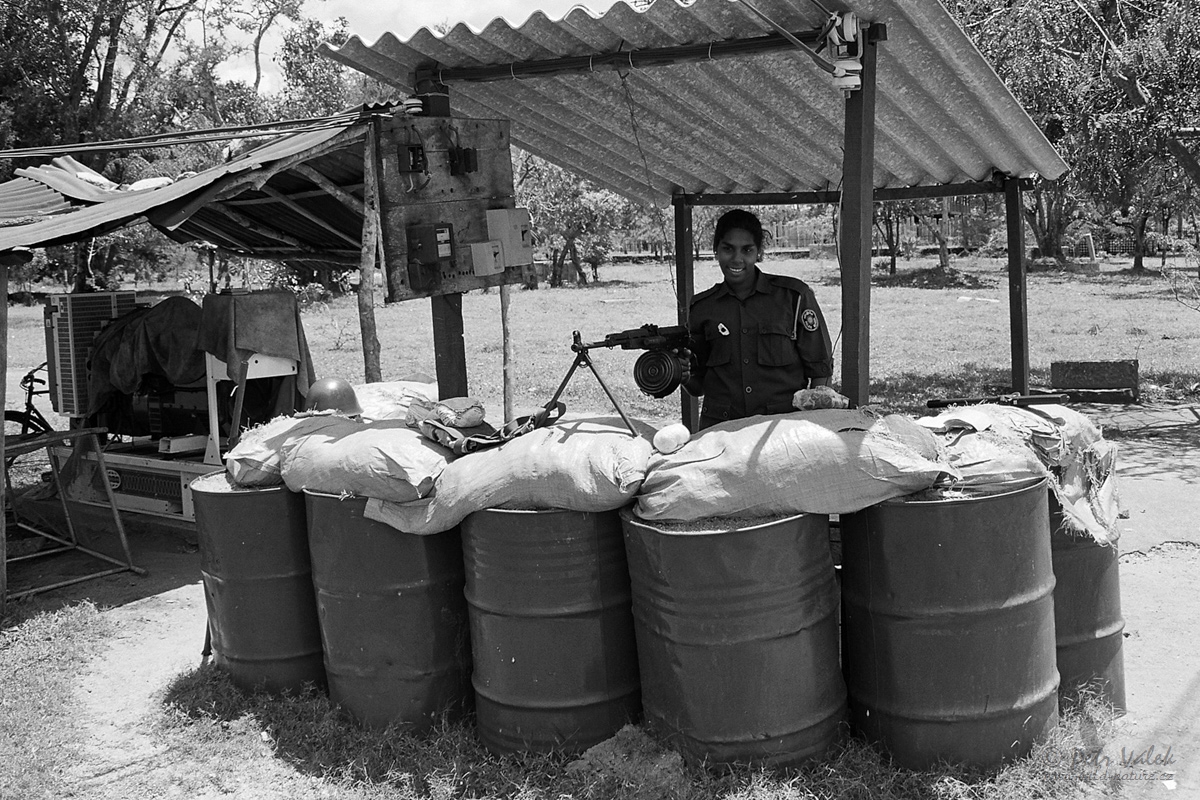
[
  {"x": 570, "y": 216},
  {"x": 1108, "y": 82}
]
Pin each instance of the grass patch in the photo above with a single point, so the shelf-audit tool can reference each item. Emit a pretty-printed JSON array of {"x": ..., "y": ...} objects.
[
  {"x": 320, "y": 742},
  {"x": 39, "y": 658}
]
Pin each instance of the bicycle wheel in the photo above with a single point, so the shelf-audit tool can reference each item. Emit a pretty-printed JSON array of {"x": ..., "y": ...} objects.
[{"x": 17, "y": 423}]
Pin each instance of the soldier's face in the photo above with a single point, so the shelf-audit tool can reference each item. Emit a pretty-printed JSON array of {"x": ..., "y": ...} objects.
[{"x": 738, "y": 254}]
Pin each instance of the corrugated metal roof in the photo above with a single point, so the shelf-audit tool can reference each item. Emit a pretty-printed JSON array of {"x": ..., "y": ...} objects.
[
  {"x": 761, "y": 123},
  {"x": 23, "y": 201},
  {"x": 170, "y": 207}
]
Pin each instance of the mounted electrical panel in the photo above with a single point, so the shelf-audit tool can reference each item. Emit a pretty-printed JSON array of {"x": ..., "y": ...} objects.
[
  {"x": 487, "y": 258},
  {"x": 430, "y": 250},
  {"x": 442, "y": 180},
  {"x": 463, "y": 160},
  {"x": 513, "y": 229},
  {"x": 413, "y": 159}
]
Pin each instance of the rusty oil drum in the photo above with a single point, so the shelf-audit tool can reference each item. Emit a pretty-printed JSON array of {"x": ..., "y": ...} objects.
[
  {"x": 949, "y": 626},
  {"x": 262, "y": 613},
  {"x": 1089, "y": 628},
  {"x": 393, "y": 618},
  {"x": 737, "y": 635},
  {"x": 551, "y": 628}
]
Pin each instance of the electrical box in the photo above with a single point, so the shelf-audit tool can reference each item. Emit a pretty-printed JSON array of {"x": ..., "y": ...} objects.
[
  {"x": 430, "y": 249},
  {"x": 513, "y": 229},
  {"x": 487, "y": 258}
]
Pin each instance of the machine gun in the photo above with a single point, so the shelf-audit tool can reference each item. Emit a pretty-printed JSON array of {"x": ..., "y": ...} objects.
[
  {"x": 657, "y": 372},
  {"x": 664, "y": 366}
]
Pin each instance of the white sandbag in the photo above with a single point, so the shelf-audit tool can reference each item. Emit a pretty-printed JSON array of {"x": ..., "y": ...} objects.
[
  {"x": 385, "y": 459},
  {"x": 580, "y": 463},
  {"x": 391, "y": 399},
  {"x": 257, "y": 458},
  {"x": 826, "y": 461},
  {"x": 993, "y": 442},
  {"x": 991, "y": 456}
]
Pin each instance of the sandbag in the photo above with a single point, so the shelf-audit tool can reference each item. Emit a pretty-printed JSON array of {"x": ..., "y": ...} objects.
[
  {"x": 993, "y": 443},
  {"x": 257, "y": 458},
  {"x": 827, "y": 461},
  {"x": 391, "y": 399},
  {"x": 581, "y": 463},
  {"x": 384, "y": 459}
]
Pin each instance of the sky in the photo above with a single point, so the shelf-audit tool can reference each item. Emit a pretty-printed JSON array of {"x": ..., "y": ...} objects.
[{"x": 370, "y": 19}]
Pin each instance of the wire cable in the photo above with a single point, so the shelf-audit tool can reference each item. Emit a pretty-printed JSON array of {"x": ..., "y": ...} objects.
[
  {"x": 785, "y": 33},
  {"x": 637, "y": 140},
  {"x": 174, "y": 138}
]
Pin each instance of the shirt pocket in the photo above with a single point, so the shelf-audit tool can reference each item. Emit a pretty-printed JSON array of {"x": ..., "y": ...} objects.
[
  {"x": 775, "y": 345},
  {"x": 720, "y": 345}
]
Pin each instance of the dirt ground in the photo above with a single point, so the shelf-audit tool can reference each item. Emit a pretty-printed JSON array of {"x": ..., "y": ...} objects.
[{"x": 160, "y": 619}]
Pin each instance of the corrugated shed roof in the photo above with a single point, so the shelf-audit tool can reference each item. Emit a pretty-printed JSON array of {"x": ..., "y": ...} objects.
[
  {"x": 756, "y": 123},
  {"x": 170, "y": 207}
]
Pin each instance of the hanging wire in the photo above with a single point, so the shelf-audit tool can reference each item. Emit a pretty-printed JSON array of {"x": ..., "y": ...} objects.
[
  {"x": 637, "y": 140},
  {"x": 785, "y": 33},
  {"x": 175, "y": 138}
]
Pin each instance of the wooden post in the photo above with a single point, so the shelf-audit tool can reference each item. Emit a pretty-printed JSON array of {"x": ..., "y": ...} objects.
[
  {"x": 685, "y": 288},
  {"x": 506, "y": 337},
  {"x": 855, "y": 232},
  {"x": 6, "y": 260},
  {"x": 449, "y": 347},
  {"x": 1018, "y": 309},
  {"x": 370, "y": 250}
]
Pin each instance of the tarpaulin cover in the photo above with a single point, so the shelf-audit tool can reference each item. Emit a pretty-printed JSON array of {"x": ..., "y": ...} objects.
[
  {"x": 234, "y": 327},
  {"x": 147, "y": 343}
]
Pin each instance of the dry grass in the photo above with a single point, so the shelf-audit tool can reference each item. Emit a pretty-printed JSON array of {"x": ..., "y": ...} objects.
[
  {"x": 39, "y": 659},
  {"x": 319, "y": 741}
]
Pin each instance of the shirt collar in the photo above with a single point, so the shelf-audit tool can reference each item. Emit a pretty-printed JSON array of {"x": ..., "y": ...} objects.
[{"x": 762, "y": 284}]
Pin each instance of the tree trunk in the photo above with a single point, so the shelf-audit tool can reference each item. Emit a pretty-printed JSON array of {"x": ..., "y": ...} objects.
[
  {"x": 1139, "y": 243},
  {"x": 557, "y": 259},
  {"x": 580, "y": 276},
  {"x": 886, "y": 221}
]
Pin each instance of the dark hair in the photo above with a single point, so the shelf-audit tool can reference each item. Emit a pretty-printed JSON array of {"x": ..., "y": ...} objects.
[{"x": 739, "y": 219}]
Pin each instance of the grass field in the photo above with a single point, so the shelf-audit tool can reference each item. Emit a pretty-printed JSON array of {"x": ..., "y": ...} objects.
[{"x": 924, "y": 342}]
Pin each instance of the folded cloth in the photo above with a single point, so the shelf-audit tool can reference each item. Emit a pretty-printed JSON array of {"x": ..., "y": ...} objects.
[
  {"x": 460, "y": 412},
  {"x": 234, "y": 327}
]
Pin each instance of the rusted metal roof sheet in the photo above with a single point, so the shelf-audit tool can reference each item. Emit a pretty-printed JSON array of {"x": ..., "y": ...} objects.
[
  {"x": 760, "y": 123},
  {"x": 170, "y": 207}
]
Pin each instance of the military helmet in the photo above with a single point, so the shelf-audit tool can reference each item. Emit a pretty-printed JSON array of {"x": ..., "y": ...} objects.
[{"x": 332, "y": 394}]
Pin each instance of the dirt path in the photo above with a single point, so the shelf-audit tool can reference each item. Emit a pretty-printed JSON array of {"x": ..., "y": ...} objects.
[{"x": 158, "y": 638}]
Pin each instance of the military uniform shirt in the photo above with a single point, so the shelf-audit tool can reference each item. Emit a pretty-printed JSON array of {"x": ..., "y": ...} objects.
[{"x": 753, "y": 355}]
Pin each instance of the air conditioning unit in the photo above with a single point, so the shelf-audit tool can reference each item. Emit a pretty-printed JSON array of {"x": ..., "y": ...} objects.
[{"x": 72, "y": 322}]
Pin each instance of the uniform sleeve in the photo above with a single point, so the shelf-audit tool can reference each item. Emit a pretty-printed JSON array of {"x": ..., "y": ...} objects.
[{"x": 812, "y": 337}]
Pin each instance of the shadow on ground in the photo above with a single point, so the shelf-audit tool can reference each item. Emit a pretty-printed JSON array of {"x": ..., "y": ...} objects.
[{"x": 166, "y": 550}]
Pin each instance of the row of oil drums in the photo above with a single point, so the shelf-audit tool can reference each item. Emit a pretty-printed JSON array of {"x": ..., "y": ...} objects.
[{"x": 945, "y": 641}]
